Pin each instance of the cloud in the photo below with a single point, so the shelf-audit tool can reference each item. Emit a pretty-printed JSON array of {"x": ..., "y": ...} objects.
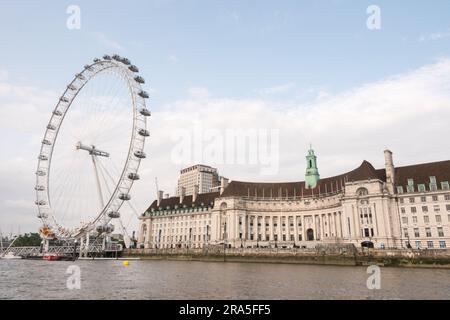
[
  {"x": 4, "y": 75},
  {"x": 434, "y": 36},
  {"x": 407, "y": 113},
  {"x": 235, "y": 16},
  {"x": 198, "y": 93},
  {"x": 173, "y": 59},
  {"x": 280, "y": 89},
  {"x": 104, "y": 40}
]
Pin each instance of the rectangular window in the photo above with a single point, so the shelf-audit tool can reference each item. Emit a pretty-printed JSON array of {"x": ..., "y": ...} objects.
[
  {"x": 418, "y": 244},
  {"x": 399, "y": 189},
  {"x": 414, "y": 219},
  {"x": 428, "y": 232},
  {"x": 440, "y": 231},
  {"x": 442, "y": 244},
  {"x": 421, "y": 188},
  {"x": 267, "y": 237},
  {"x": 366, "y": 232},
  {"x": 410, "y": 186},
  {"x": 402, "y": 210},
  {"x": 405, "y": 232},
  {"x": 447, "y": 207},
  {"x": 412, "y": 200},
  {"x": 435, "y": 198},
  {"x": 402, "y": 200},
  {"x": 447, "y": 197},
  {"x": 436, "y": 208},
  {"x": 430, "y": 244},
  {"x": 444, "y": 185},
  {"x": 413, "y": 210},
  {"x": 438, "y": 218},
  {"x": 416, "y": 232},
  {"x": 405, "y": 220},
  {"x": 423, "y": 199},
  {"x": 424, "y": 208},
  {"x": 426, "y": 219}
]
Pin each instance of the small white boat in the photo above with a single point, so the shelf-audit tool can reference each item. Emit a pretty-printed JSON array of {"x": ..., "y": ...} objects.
[{"x": 10, "y": 256}]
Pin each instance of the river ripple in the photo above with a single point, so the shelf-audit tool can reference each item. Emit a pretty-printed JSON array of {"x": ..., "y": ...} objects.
[{"x": 26, "y": 279}]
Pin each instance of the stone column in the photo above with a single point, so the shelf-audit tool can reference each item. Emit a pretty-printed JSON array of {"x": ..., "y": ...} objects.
[
  {"x": 270, "y": 228},
  {"x": 280, "y": 230},
  {"x": 295, "y": 229},
  {"x": 329, "y": 224},
  {"x": 334, "y": 225},
  {"x": 303, "y": 220},
  {"x": 255, "y": 228}
]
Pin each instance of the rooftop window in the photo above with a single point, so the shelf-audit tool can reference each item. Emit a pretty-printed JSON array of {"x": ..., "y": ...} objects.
[{"x": 421, "y": 187}]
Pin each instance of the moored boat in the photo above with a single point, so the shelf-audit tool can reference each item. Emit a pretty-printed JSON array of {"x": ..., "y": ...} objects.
[
  {"x": 50, "y": 257},
  {"x": 10, "y": 256}
]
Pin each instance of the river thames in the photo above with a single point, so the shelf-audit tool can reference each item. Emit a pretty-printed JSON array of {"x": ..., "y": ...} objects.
[{"x": 26, "y": 279}]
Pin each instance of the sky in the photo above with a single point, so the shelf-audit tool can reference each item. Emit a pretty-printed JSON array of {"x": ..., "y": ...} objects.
[{"x": 300, "y": 72}]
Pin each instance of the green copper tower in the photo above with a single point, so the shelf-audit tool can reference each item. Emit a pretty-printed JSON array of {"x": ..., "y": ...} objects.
[{"x": 312, "y": 175}]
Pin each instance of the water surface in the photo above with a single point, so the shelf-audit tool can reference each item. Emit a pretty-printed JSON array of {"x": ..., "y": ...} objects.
[{"x": 26, "y": 279}]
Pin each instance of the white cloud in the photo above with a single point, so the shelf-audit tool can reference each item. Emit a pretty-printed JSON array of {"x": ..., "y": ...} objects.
[
  {"x": 104, "y": 40},
  {"x": 235, "y": 16},
  {"x": 173, "y": 59},
  {"x": 4, "y": 75},
  {"x": 279, "y": 89},
  {"x": 198, "y": 93},
  {"x": 407, "y": 113},
  {"x": 434, "y": 36}
]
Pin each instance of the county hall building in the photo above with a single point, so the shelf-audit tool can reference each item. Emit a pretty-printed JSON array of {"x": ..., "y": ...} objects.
[{"x": 391, "y": 207}]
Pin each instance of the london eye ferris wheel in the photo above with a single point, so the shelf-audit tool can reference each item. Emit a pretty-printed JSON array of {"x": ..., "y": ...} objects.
[{"x": 92, "y": 149}]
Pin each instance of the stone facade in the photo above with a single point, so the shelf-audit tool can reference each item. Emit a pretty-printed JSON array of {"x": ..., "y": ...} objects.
[{"x": 365, "y": 206}]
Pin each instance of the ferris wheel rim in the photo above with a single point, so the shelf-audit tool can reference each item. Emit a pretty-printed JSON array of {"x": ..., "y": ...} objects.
[{"x": 135, "y": 151}]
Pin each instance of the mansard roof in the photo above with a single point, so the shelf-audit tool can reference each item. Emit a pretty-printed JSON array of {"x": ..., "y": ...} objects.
[
  {"x": 205, "y": 199},
  {"x": 295, "y": 189},
  {"x": 421, "y": 173}
]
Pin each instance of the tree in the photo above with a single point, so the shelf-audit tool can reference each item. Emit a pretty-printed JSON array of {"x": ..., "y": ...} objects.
[{"x": 28, "y": 240}]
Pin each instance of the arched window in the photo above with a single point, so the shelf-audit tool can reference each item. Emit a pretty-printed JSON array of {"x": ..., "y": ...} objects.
[{"x": 362, "y": 192}]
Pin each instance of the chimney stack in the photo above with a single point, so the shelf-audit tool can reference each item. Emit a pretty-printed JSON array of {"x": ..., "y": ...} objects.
[
  {"x": 195, "y": 194},
  {"x": 159, "y": 195},
  {"x": 182, "y": 194},
  {"x": 223, "y": 184},
  {"x": 390, "y": 170}
]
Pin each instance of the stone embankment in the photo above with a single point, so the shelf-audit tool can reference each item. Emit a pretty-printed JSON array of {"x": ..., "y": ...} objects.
[{"x": 322, "y": 255}]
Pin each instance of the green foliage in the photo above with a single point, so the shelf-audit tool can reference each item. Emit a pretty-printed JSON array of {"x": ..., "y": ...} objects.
[{"x": 28, "y": 240}]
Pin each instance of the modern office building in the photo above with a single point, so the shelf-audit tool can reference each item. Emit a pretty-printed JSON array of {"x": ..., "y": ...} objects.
[{"x": 204, "y": 177}]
